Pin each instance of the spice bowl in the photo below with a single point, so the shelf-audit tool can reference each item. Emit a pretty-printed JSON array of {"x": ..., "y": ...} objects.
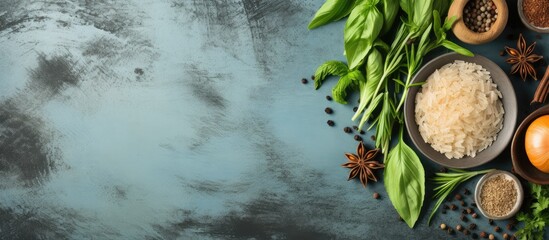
[
  {"x": 498, "y": 197},
  {"x": 465, "y": 34},
  {"x": 525, "y": 20}
]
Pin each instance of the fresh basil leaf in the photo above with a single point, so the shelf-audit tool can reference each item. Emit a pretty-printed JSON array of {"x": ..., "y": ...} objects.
[
  {"x": 389, "y": 9},
  {"x": 448, "y": 23},
  {"x": 436, "y": 25},
  {"x": 404, "y": 179},
  {"x": 456, "y": 48},
  {"x": 361, "y": 30},
  {"x": 329, "y": 68},
  {"x": 331, "y": 11},
  {"x": 406, "y": 6},
  {"x": 374, "y": 70},
  {"x": 422, "y": 11},
  {"x": 346, "y": 83}
]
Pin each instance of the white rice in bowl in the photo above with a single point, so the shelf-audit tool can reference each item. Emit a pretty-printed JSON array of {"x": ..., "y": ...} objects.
[{"x": 459, "y": 110}]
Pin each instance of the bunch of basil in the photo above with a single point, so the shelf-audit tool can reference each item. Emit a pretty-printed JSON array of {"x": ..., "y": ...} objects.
[{"x": 375, "y": 69}]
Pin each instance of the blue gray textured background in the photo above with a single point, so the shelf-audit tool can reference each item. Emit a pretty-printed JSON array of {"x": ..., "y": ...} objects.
[{"x": 184, "y": 119}]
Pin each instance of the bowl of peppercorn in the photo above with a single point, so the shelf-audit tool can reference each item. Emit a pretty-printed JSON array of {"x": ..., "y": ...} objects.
[
  {"x": 478, "y": 21},
  {"x": 534, "y": 14}
]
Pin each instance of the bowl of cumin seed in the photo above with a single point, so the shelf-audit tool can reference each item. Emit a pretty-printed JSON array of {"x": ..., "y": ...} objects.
[{"x": 499, "y": 195}]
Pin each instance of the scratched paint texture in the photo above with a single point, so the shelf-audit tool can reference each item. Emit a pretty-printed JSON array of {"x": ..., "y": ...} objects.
[{"x": 179, "y": 119}]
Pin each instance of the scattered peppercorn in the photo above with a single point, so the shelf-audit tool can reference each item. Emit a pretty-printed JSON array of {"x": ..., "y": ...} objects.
[
  {"x": 453, "y": 207},
  {"x": 491, "y": 221},
  {"x": 331, "y": 123},
  {"x": 313, "y": 77},
  {"x": 347, "y": 130},
  {"x": 466, "y": 232},
  {"x": 463, "y": 218},
  {"x": 450, "y": 231},
  {"x": 472, "y": 226},
  {"x": 358, "y": 138},
  {"x": 329, "y": 98},
  {"x": 491, "y": 237},
  {"x": 443, "y": 170},
  {"x": 328, "y": 110},
  {"x": 373, "y": 137},
  {"x": 497, "y": 229},
  {"x": 469, "y": 210},
  {"x": 355, "y": 109},
  {"x": 304, "y": 81},
  {"x": 474, "y": 204},
  {"x": 466, "y": 191},
  {"x": 443, "y": 226},
  {"x": 355, "y": 127},
  {"x": 512, "y": 237},
  {"x": 505, "y": 236},
  {"x": 502, "y": 53},
  {"x": 445, "y": 206},
  {"x": 458, "y": 197},
  {"x": 459, "y": 227},
  {"x": 362, "y": 132},
  {"x": 463, "y": 204},
  {"x": 483, "y": 235},
  {"x": 464, "y": 211},
  {"x": 376, "y": 195},
  {"x": 510, "y": 226}
]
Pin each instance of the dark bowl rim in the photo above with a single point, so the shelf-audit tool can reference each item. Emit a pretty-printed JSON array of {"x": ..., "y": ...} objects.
[
  {"x": 521, "y": 130},
  {"x": 508, "y": 133}
]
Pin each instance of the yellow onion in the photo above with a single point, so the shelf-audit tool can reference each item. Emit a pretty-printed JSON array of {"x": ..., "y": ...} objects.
[{"x": 536, "y": 143}]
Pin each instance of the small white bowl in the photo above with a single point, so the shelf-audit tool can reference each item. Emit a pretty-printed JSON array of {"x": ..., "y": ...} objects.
[{"x": 508, "y": 176}]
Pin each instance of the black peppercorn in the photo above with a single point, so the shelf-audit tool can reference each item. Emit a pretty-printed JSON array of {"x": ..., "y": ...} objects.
[
  {"x": 331, "y": 123},
  {"x": 328, "y": 110},
  {"x": 466, "y": 232},
  {"x": 304, "y": 81},
  {"x": 347, "y": 130},
  {"x": 497, "y": 229},
  {"x": 373, "y": 137},
  {"x": 450, "y": 231},
  {"x": 453, "y": 207},
  {"x": 462, "y": 203},
  {"x": 329, "y": 98},
  {"x": 474, "y": 204},
  {"x": 469, "y": 210},
  {"x": 483, "y": 235},
  {"x": 376, "y": 195},
  {"x": 491, "y": 221},
  {"x": 472, "y": 226},
  {"x": 463, "y": 218},
  {"x": 502, "y": 53},
  {"x": 459, "y": 227},
  {"x": 445, "y": 206},
  {"x": 466, "y": 191},
  {"x": 505, "y": 236},
  {"x": 458, "y": 197},
  {"x": 464, "y": 211},
  {"x": 355, "y": 109},
  {"x": 474, "y": 215},
  {"x": 362, "y": 132},
  {"x": 358, "y": 138},
  {"x": 355, "y": 127},
  {"x": 313, "y": 77},
  {"x": 509, "y": 226}
]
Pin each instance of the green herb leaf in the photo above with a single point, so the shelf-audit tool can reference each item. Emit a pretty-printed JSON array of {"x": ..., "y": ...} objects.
[
  {"x": 448, "y": 23},
  {"x": 346, "y": 83},
  {"x": 329, "y": 68},
  {"x": 422, "y": 12},
  {"x": 456, "y": 48},
  {"x": 374, "y": 70},
  {"x": 331, "y": 11},
  {"x": 389, "y": 9},
  {"x": 405, "y": 181},
  {"x": 361, "y": 30},
  {"x": 442, "y": 6}
]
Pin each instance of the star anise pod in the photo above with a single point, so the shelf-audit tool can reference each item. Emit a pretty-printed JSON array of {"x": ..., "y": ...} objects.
[
  {"x": 362, "y": 164},
  {"x": 522, "y": 59}
]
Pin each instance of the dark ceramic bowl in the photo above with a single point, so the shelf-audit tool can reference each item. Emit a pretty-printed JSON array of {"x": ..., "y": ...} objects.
[
  {"x": 527, "y": 23},
  {"x": 521, "y": 164},
  {"x": 509, "y": 101}
]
